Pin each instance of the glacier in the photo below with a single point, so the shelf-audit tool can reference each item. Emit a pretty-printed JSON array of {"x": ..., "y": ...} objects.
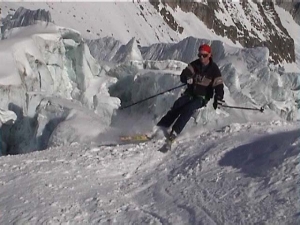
[
  {"x": 249, "y": 78},
  {"x": 54, "y": 78},
  {"x": 49, "y": 77}
]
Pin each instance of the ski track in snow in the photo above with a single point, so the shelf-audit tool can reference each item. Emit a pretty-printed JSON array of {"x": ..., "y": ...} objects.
[{"x": 228, "y": 176}]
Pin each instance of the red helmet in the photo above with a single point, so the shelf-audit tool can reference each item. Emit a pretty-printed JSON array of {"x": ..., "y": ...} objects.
[{"x": 205, "y": 48}]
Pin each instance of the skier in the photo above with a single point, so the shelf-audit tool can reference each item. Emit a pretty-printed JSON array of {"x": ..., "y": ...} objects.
[{"x": 203, "y": 79}]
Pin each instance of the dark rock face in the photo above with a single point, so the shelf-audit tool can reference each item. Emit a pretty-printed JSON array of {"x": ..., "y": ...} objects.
[
  {"x": 24, "y": 17},
  {"x": 266, "y": 28},
  {"x": 167, "y": 16}
]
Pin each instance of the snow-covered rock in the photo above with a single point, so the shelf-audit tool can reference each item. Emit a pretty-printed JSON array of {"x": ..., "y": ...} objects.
[
  {"x": 24, "y": 17},
  {"x": 249, "y": 23}
]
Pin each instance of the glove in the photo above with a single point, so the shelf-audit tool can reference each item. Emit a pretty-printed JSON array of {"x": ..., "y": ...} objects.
[
  {"x": 218, "y": 101},
  {"x": 190, "y": 81}
]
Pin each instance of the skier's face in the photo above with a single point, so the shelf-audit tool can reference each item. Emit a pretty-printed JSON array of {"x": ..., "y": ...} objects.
[{"x": 204, "y": 57}]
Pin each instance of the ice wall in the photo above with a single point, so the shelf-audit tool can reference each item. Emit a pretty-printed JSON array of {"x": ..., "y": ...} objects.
[
  {"x": 250, "y": 81},
  {"x": 249, "y": 77},
  {"x": 47, "y": 62}
]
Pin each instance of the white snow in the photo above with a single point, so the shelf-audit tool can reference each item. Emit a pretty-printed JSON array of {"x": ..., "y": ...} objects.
[
  {"x": 94, "y": 20},
  {"x": 229, "y": 166},
  {"x": 224, "y": 16},
  {"x": 234, "y": 175},
  {"x": 7, "y": 116},
  {"x": 196, "y": 28},
  {"x": 235, "y": 10},
  {"x": 294, "y": 30}
]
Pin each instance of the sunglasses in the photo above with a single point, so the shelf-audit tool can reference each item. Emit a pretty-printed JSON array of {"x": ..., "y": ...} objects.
[{"x": 202, "y": 55}]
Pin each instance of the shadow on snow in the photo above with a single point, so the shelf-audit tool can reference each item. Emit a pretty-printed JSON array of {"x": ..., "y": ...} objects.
[{"x": 258, "y": 158}]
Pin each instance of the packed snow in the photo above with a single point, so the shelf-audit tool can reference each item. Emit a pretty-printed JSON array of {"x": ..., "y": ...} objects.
[
  {"x": 61, "y": 99},
  {"x": 241, "y": 174}
]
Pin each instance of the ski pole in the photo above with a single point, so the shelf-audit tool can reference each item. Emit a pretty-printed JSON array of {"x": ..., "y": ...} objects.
[
  {"x": 152, "y": 96},
  {"x": 237, "y": 107}
]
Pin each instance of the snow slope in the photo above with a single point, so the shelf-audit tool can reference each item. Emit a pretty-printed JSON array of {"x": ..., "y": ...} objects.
[
  {"x": 241, "y": 174},
  {"x": 110, "y": 18}
]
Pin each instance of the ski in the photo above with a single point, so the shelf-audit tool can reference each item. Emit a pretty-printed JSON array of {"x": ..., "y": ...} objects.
[
  {"x": 141, "y": 138},
  {"x": 135, "y": 138},
  {"x": 127, "y": 139}
]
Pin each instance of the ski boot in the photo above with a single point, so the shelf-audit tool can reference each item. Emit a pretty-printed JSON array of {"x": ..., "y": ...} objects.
[{"x": 169, "y": 141}]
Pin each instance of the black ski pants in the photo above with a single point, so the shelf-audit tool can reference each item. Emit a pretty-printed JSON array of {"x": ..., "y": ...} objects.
[{"x": 181, "y": 111}]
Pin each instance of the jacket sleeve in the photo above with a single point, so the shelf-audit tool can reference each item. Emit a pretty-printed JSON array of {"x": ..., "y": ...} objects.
[
  {"x": 187, "y": 73},
  {"x": 218, "y": 84}
]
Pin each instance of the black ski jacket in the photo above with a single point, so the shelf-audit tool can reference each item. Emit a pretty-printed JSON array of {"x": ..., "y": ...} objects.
[{"x": 207, "y": 80}]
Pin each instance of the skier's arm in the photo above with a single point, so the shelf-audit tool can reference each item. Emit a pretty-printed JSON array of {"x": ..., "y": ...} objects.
[{"x": 187, "y": 73}]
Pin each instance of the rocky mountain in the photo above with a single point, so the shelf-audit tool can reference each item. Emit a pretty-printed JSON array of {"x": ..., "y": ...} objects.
[
  {"x": 251, "y": 23},
  {"x": 245, "y": 23}
]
